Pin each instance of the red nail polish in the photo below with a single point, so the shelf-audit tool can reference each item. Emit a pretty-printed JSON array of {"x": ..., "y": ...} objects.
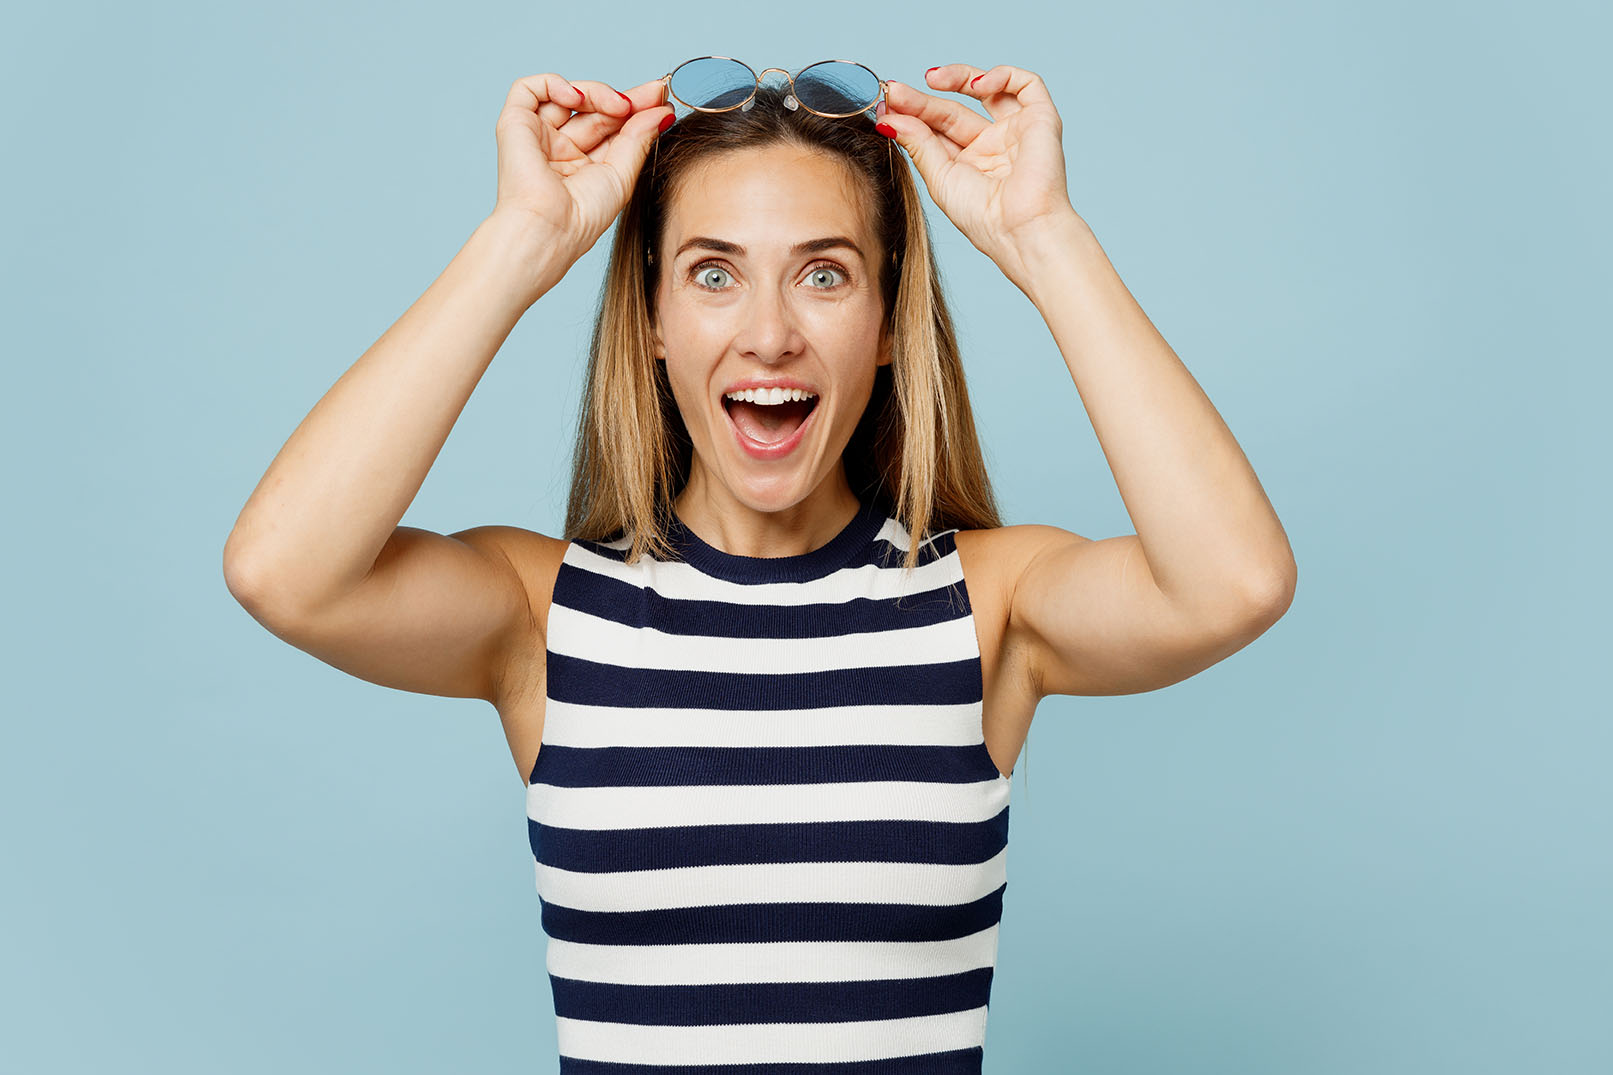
[
  {"x": 624, "y": 96},
  {"x": 885, "y": 129},
  {"x": 665, "y": 123},
  {"x": 927, "y": 73},
  {"x": 977, "y": 78},
  {"x": 578, "y": 92}
]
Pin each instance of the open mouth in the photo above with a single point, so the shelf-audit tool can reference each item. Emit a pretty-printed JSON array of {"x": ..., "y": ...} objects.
[{"x": 769, "y": 423}]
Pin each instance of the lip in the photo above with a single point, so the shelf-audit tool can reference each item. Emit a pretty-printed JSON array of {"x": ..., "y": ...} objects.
[
  {"x": 762, "y": 382},
  {"x": 758, "y": 450}
]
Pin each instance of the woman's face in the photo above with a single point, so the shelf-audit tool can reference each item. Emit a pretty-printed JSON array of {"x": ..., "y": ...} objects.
[{"x": 737, "y": 303}]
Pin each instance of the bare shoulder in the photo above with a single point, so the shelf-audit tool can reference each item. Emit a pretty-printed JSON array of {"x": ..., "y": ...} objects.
[
  {"x": 1088, "y": 617},
  {"x": 536, "y": 558},
  {"x": 998, "y": 557},
  {"x": 995, "y": 560}
]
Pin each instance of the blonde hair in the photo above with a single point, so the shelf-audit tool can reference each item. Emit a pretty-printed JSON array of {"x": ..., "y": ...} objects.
[{"x": 915, "y": 452}]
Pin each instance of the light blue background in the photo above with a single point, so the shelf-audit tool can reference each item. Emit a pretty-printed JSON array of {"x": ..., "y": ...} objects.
[{"x": 1375, "y": 841}]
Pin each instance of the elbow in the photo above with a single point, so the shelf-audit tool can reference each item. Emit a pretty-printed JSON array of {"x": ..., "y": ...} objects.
[
  {"x": 251, "y": 581},
  {"x": 241, "y": 575},
  {"x": 1268, "y": 594}
]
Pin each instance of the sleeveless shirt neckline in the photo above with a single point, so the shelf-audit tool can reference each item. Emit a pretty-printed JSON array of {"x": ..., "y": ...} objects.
[{"x": 804, "y": 567}]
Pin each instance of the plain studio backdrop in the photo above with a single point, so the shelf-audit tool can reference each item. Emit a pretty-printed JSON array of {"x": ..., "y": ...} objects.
[{"x": 1374, "y": 842}]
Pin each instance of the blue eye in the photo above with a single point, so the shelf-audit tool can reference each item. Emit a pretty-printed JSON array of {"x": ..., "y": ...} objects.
[
  {"x": 827, "y": 268},
  {"x": 702, "y": 265},
  {"x": 821, "y": 267}
]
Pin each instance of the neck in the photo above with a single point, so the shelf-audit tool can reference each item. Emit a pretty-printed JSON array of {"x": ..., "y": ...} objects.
[{"x": 745, "y": 526}]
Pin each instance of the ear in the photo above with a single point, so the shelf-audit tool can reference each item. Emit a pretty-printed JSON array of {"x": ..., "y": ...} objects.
[
  {"x": 886, "y": 343},
  {"x": 657, "y": 348}
]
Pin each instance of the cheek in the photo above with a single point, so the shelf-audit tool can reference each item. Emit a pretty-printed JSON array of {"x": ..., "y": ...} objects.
[
  {"x": 682, "y": 394},
  {"x": 689, "y": 393}
]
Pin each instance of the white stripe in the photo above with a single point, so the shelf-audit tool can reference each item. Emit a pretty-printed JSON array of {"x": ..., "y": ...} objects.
[
  {"x": 578, "y": 634},
  {"x": 763, "y": 1043},
  {"x": 574, "y": 725},
  {"x": 782, "y": 961},
  {"x": 924, "y": 884},
  {"x": 659, "y": 806}
]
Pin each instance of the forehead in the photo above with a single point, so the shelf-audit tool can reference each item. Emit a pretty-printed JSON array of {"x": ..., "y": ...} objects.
[{"x": 768, "y": 198}]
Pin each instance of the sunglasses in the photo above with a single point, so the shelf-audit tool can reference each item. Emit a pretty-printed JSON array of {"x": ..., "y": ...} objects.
[{"x": 722, "y": 83}]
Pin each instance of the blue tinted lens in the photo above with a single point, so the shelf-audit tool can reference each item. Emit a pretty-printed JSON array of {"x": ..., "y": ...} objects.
[
  {"x": 837, "y": 88},
  {"x": 713, "y": 82},
  {"x": 834, "y": 87}
]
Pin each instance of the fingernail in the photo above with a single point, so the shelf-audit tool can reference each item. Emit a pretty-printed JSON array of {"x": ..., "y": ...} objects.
[
  {"x": 927, "y": 73},
  {"x": 885, "y": 129},
  {"x": 977, "y": 78},
  {"x": 578, "y": 92},
  {"x": 665, "y": 123},
  {"x": 624, "y": 96}
]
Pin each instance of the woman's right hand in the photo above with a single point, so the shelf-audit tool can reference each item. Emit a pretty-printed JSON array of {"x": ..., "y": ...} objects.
[{"x": 569, "y": 154}]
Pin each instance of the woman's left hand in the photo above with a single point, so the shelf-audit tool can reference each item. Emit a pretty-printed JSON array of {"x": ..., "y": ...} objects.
[{"x": 998, "y": 180}]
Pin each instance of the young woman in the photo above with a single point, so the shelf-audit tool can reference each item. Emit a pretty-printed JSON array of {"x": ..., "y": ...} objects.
[{"x": 783, "y": 659}]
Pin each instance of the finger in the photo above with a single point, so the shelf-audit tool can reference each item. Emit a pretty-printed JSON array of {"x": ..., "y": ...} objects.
[
  {"x": 954, "y": 119},
  {"x": 604, "y": 98},
  {"x": 558, "y": 101},
  {"x": 598, "y": 100},
  {"x": 929, "y": 150},
  {"x": 1003, "y": 89},
  {"x": 648, "y": 94},
  {"x": 548, "y": 95},
  {"x": 524, "y": 107},
  {"x": 625, "y": 150},
  {"x": 590, "y": 129},
  {"x": 593, "y": 131}
]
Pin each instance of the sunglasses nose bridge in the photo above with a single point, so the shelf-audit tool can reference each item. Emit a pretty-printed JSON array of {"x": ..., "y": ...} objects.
[{"x": 790, "y": 100}]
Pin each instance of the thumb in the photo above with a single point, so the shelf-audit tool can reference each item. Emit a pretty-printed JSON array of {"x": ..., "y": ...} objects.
[
  {"x": 631, "y": 145},
  {"x": 914, "y": 135}
]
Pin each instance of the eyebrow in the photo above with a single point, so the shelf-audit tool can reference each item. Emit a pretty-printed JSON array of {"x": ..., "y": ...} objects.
[{"x": 811, "y": 246}]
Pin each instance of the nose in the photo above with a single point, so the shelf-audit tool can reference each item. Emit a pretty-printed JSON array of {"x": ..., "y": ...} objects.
[{"x": 769, "y": 330}]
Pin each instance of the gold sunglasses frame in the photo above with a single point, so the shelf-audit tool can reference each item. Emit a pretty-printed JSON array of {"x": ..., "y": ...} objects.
[{"x": 792, "y": 101}]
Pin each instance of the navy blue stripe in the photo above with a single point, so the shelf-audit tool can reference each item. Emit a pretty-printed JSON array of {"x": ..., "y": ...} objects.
[
  {"x": 852, "y": 539},
  {"x": 703, "y": 766},
  {"x": 641, "y": 606},
  {"x": 583, "y": 682},
  {"x": 879, "y": 551},
  {"x": 913, "y": 684},
  {"x": 744, "y": 923},
  {"x": 670, "y": 847},
  {"x": 953, "y": 1062},
  {"x": 770, "y": 1002}
]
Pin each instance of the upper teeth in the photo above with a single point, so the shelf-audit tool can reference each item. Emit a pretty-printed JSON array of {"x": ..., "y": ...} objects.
[{"x": 770, "y": 396}]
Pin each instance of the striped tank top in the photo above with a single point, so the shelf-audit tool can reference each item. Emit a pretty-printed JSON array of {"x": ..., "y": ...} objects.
[{"x": 765, "y": 826}]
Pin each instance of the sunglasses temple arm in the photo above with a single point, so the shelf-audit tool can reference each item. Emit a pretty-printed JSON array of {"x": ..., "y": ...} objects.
[{"x": 884, "y": 99}]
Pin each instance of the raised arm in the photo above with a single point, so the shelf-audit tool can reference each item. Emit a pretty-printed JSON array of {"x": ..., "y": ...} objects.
[
  {"x": 317, "y": 554},
  {"x": 1209, "y": 567}
]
